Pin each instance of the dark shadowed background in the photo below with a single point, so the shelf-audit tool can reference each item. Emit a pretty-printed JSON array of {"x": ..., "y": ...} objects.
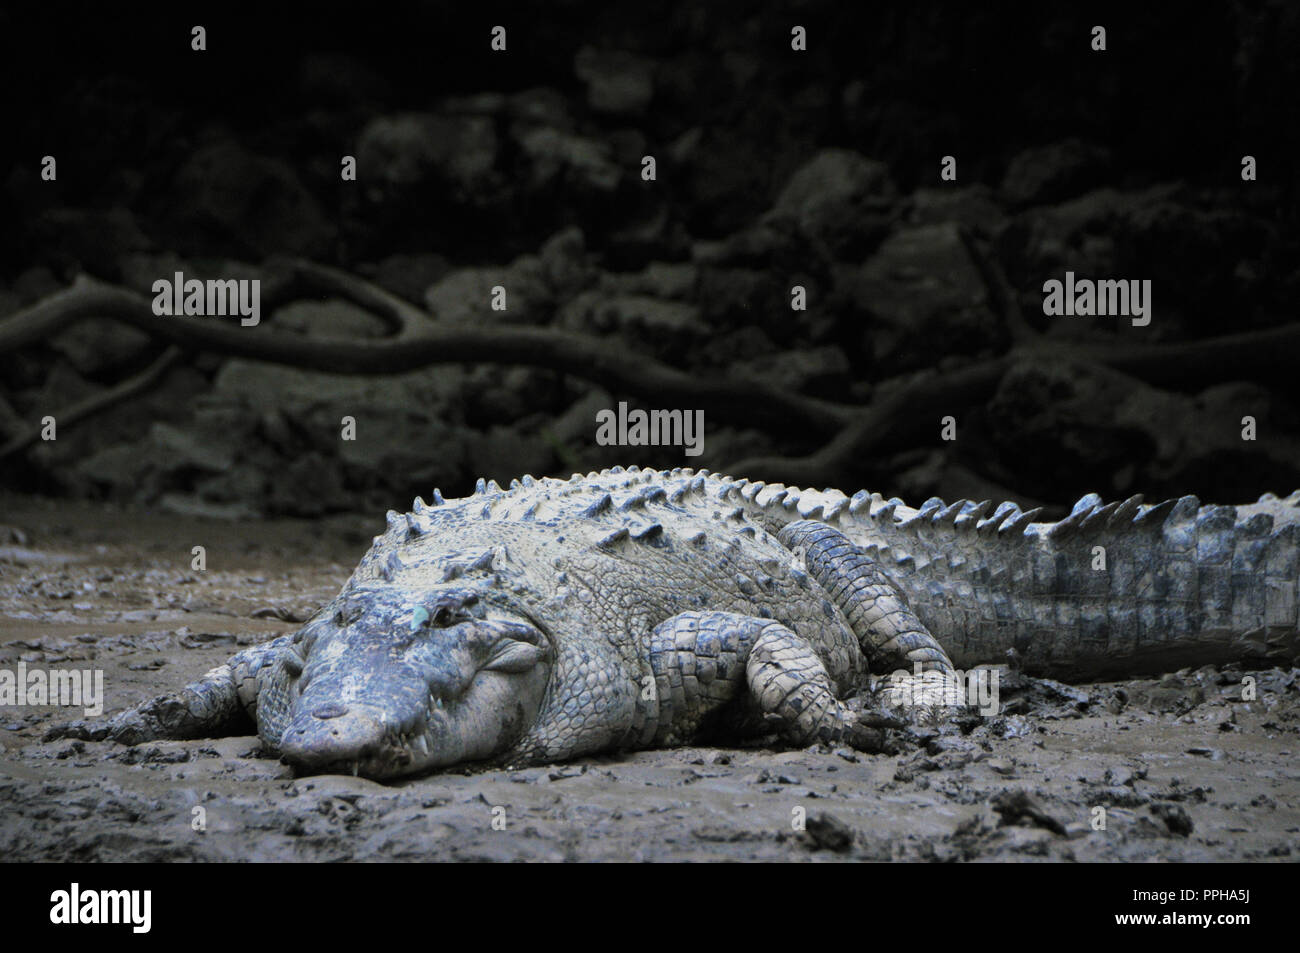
[{"x": 775, "y": 168}]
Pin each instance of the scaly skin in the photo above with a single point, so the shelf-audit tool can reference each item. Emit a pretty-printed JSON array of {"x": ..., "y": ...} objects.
[{"x": 628, "y": 609}]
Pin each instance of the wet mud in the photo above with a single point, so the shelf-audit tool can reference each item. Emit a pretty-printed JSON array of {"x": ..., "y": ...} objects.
[{"x": 1178, "y": 767}]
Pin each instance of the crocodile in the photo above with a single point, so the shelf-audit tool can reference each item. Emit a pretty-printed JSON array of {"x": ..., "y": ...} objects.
[{"x": 638, "y": 608}]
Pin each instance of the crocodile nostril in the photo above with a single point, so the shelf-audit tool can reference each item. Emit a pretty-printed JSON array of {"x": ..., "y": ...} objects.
[{"x": 330, "y": 711}]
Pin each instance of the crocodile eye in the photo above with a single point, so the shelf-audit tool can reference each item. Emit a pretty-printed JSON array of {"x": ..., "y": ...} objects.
[{"x": 443, "y": 614}]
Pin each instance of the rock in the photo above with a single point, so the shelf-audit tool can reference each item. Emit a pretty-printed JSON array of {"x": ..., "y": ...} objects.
[
  {"x": 1090, "y": 421},
  {"x": 410, "y": 153},
  {"x": 541, "y": 106},
  {"x": 577, "y": 425},
  {"x": 618, "y": 82},
  {"x": 183, "y": 504},
  {"x": 972, "y": 207},
  {"x": 1119, "y": 775},
  {"x": 502, "y": 453},
  {"x": 819, "y": 370},
  {"x": 495, "y": 395},
  {"x": 925, "y": 298},
  {"x": 123, "y": 472},
  {"x": 140, "y": 270},
  {"x": 62, "y": 388},
  {"x": 659, "y": 279},
  {"x": 9, "y": 302},
  {"x": 1174, "y": 817},
  {"x": 559, "y": 158},
  {"x": 35, "y": 283},
  {"x": 1018, "y": 807},
  {"x": 744, "y": 298},
  {"x": 827, "y": 832},
  {"x": 1054, "y": 172},
  {"x": 565, "y": 264},
  {"x": 464, "y": 296},
  {"x": 407, "y": 276},
  {"x": 93, "y": 240},
  {"x": 839, "y": 197},
  {"x": 192, "y": 448},
  {"x": 665, "y": 326},
  {"x": 660, "y": 235},
  {"x": 226, "y": 197}
]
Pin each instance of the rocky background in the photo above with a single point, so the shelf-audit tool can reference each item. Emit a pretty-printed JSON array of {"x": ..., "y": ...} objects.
[{"x": 775, "y": 168}]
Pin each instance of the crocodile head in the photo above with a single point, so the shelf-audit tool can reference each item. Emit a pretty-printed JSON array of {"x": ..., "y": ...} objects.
[{"x": 386, "y": 683}]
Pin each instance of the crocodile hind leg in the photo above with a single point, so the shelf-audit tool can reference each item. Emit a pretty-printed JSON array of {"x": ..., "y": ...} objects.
[
  {"x": 220, "y": 703},
  {"x": 702, "y": 660},
  {"x": 889, "y": 633}
]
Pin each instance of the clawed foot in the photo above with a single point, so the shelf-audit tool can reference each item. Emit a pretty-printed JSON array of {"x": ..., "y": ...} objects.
[
  {"x": 871, "y": 726},
  {"x": 911, "y": 708}
]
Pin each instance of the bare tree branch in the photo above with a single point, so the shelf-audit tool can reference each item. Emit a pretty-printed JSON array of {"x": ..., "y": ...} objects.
[
  {"x": 136, "y": 384},
  {"x": 608, "y": 363},
  {"x": 902, "y": 409}
]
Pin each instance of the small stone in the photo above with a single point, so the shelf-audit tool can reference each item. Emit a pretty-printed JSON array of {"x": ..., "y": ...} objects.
[
  {"x": 1118, "y": 776},
  {"x": 1175, "y": 818},
  {"x": 827, "y": 832}
]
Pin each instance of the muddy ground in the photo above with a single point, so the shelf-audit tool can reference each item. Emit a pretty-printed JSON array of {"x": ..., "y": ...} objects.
[{"x": 1184, "y": 769}]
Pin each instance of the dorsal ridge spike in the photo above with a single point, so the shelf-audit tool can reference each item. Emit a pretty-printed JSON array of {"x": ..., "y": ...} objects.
[
  {"x": 602, "y": 505},
  {"x": 613, "y": 539},
  {"x": 1087, "y": 503}
]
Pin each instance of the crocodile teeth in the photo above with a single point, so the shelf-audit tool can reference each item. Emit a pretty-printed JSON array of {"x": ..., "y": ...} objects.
[{"x": 422, "y": 744}]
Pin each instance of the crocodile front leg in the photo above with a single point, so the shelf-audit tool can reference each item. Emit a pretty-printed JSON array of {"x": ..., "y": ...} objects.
[
  {"x": 220, "y": 703},
  {"x": 701, "y": 661}
]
